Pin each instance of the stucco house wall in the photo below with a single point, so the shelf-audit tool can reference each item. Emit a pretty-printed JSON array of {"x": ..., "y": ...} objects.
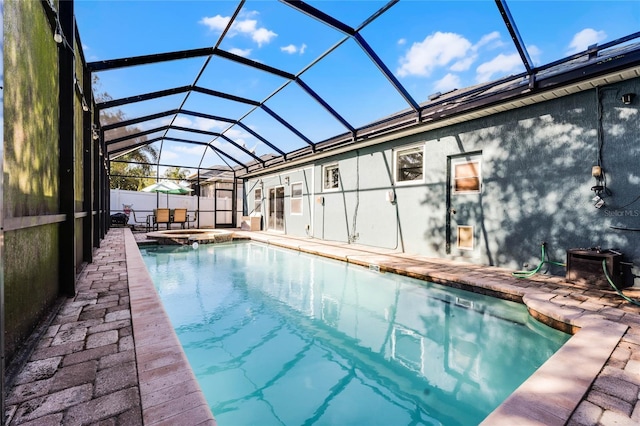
[{"x": 536, "y": 185}]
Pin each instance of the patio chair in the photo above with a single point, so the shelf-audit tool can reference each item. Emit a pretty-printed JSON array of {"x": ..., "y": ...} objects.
[
  {"x": 180, "y": 216},
  {"x": 162, "y": 216},
  {"x": 137, "y": 222}
]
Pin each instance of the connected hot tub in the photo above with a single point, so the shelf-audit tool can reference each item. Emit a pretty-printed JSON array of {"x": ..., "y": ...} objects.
[{"x": 190, "y": 236}]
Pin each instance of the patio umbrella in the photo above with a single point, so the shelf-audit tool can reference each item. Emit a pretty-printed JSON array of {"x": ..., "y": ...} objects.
[{"x": 167, "y": 187}]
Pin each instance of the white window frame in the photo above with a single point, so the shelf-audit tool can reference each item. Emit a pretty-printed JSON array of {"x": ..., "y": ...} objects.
[
  {"x": 404, "y": 149},
  {"x": 296, "y": 198},
  {"x": 257, "y": 201},
  {"x": 325, "y": 168},
  {"x": 469, "y": 160},
  {"x": 471, "y": 228}
]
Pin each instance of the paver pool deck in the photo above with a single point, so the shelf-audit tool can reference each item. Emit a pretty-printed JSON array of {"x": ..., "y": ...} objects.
[{"x": 110, "y": 356}]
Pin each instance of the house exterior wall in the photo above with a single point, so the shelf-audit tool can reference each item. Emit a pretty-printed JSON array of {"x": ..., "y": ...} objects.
[{"x": 536, "y": 185}]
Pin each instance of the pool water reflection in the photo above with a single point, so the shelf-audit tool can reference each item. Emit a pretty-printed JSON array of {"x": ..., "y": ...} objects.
[{"x": 281, "y": 337}]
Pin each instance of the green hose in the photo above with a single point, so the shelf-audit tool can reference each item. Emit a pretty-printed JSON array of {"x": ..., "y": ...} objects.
[
  {"x": 527, "y": 274},
  {"x": 606, "y": 274}
]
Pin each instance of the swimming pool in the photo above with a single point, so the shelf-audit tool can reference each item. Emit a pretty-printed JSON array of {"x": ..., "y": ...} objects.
[{"x": 282, "y": 337}]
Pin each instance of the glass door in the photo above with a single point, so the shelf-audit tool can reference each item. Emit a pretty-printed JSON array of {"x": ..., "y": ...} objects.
[{"x": 275, "y": 219}]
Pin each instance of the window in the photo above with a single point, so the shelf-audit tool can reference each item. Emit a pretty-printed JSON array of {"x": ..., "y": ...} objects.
[
  {"x": 296, "y": 198},
  {"x": 331, "y": 177},
  {"x": 257, "y": 201},
  {"x": 466, "y": 176},
  {"x": 465, "y": 237},
  {"x": 409, "y": 163}
]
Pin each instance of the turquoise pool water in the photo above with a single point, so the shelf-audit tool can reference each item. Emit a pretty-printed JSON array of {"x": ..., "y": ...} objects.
[{"x": 278, "y": 337}]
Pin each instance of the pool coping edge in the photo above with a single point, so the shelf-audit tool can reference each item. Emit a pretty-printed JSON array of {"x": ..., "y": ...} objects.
[
  {"x": 168, "y": 387},
  {"x": 530, "y": 403}
]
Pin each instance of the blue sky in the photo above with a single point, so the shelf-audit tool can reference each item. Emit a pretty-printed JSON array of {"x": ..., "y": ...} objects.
[{"x": 430, "y": 46}]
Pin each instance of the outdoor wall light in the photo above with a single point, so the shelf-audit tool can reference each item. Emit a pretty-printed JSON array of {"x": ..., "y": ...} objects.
[
  {"x": 57, "y": 36},
  {"x": 286, "y": 180},
  {"x": 627, "y": 98}
]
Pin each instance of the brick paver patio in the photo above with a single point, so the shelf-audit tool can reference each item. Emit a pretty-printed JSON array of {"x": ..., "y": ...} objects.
[{"x": 110, "y": 356}]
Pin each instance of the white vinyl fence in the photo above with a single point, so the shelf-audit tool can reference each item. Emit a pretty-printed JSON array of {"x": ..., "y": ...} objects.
[{"x": 143, "y": 204}]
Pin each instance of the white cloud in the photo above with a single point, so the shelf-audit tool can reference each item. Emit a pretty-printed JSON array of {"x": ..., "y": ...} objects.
[
  {"x": 246, "y": 26},
  {"x": 262, "y": 36},
  {"x": 240, "y": 52},
  {"x": 169, "y": 155},
  {"x": 489, "y": 38},
  {"x": 179, "y": 121},
  {"x": 190, "y": 150},
  {"x": 208, "y": 124},
  {"x": 585, "y": 38},
  {"x": 291, "y": 49},
  {"x": 501, "y": 64},
  {"x": 438, "y": 49},
  {"x": 216, "y": 23},
  {"x": 447, "y": 83},
  {"x": 463, "y": 64},
  {"x": 402, "y": 42}
]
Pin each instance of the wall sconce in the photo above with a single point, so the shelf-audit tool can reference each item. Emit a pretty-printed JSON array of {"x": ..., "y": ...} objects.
[
  {"x": 596, "y": 172},
  {"x": 286, "y": 180},
  {"x": 57, "y": 35},
  {"x": 627, "y": 98}
]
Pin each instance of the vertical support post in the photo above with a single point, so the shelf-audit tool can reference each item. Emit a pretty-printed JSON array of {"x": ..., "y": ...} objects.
[
  {"x": 2, "y": 310},
  {"x": 234, "y": 202},
  {"x": 66, "y": 103},
  {"x": 198, "y": 189},
  {"x": 97, "y": 178},
  {"x": 87, "y": 162},
  {"x": 106, "y": 207},
  {"x": 104, "y": 186}
]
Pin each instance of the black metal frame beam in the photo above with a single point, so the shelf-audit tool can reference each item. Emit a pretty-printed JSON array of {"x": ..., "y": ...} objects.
[
  {"x": 263, "y": 140},
  {"x": 87, "y": 170},
  {"x": 138, "y": 120},
  {"x": 168, "y": 165},
  {"x": 223, "y": 95},
  {"x": 515, "y": 35},
  {"x": 133, "y": 61},
  {"x": 66, "y": 127},
  {"x": 324, "y": 104},
  {"x": 288, "y": 126},
  {"x": 143, "y": 97},
  {"x": 208, "y": 144},
  {"x": 353, "y": 33}
]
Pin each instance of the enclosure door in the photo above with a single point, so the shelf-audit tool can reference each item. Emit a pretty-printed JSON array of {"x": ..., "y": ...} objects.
[
  {"x": 275, "y": 217},
  {"x": 464, "y": 204},
  {"x": 224, "y": 208}
]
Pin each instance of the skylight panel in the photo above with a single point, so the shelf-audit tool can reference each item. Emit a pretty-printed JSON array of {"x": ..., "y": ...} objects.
[
  {"x": 274, "y": 34},
  {"x": 441, "y": 46},
  {"x": 571, "y": 27},
  {"x": 228, "y": 76},
  {"x": 304, "y": 113},
  {"x": 354, "y": 86}
]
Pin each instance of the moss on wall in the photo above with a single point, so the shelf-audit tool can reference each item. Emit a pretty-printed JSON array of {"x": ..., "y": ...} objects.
[
  {"x": 31, "y": 167},
  {"x": 31, "y": 280},
  {"x": 30, "y": 111}
]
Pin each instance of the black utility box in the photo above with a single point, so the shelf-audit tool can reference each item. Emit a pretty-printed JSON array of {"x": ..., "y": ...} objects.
[{"x": 585, "y": 266}]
